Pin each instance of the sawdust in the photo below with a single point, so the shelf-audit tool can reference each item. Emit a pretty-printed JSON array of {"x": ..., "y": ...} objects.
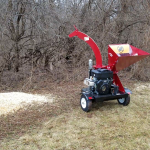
[{"x": 10, "y": 102}]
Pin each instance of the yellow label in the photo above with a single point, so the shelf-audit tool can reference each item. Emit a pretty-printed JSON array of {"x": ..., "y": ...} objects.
[{"x": 121, "y": 49}]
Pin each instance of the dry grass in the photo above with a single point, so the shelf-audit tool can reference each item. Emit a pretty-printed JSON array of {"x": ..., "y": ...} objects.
[{"x": 63, "y": 125}]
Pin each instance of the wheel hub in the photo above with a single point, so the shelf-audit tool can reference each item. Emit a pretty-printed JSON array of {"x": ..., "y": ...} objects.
[
  {"x": 83, "y": 103},
  {"x": 121, "y": 100}
]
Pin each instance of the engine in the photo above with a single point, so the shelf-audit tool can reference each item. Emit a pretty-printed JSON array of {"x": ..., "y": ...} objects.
[{"x": 101, "y": 82}]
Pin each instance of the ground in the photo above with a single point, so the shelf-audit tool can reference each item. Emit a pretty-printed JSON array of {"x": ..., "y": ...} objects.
[{"x": 62, "y": 124}]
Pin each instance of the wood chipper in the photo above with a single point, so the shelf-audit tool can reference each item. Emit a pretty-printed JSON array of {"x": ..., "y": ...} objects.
[{"x": 103, "y": 82}]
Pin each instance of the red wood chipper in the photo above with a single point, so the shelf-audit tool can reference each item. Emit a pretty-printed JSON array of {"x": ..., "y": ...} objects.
[{"x": 103, "y": 82}]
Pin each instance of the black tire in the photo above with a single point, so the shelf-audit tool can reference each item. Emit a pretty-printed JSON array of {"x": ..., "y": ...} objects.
[
  {"x": 85, "y": 103},
  {"x": 124, "y": 101}
]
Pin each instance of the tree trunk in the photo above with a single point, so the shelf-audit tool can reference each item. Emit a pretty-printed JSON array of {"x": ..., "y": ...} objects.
[{"x": 16, "y": 68}]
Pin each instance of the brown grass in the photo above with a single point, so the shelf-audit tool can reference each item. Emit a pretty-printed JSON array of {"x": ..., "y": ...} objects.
[{"x": 63, "y": 125}]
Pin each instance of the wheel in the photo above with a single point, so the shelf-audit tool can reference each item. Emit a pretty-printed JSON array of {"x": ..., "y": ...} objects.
[
  {"x": 124, "y": 101},
  {"x": 85, "y": 103}
]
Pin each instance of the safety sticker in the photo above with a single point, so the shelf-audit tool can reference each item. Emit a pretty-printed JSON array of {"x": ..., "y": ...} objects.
[{"x": 86, "y": 38}]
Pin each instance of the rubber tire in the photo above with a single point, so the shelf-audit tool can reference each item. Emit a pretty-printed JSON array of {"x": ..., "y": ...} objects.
[
  {"x": 125, "y": 102},
  {"x": 87, "y": 105}
]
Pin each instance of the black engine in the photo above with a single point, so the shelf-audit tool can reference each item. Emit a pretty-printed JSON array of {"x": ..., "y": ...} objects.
[{"x": 103, "y": 80}]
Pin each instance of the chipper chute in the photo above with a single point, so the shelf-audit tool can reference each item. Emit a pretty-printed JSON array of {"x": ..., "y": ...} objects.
[{"x": 103, "y": 82}]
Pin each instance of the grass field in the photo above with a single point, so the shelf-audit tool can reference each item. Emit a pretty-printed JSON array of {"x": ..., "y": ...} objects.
[{"x": 63, "y": 125}]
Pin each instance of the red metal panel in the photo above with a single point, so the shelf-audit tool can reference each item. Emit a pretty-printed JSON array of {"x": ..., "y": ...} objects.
[
  {"x": 124, "y": 62},
  {"x": 116, "y": 80},
  {"x": 112, "y": 59},
  {"x": 138, "y": 51}
]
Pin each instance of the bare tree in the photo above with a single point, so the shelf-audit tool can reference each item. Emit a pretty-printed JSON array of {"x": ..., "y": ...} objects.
[{"x": 48, "y": 23}]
